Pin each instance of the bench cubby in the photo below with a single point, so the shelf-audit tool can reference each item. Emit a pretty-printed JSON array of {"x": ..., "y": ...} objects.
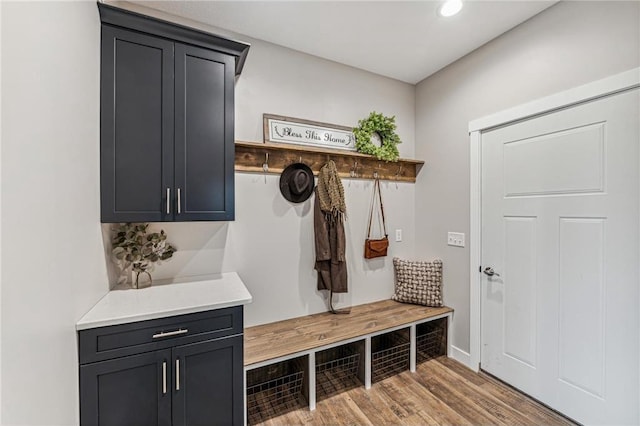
[
  {"x": 275, "y": 389},
  {"x": 390, "y": 354},
  {"x": 339, "y": 369},
  {"x": 431, "y": 339}
]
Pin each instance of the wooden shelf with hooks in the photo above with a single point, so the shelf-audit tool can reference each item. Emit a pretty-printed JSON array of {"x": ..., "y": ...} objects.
[{"x": 251, "y": 156}]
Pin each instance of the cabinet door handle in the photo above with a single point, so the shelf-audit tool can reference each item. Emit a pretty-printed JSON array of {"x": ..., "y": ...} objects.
[
  {"x": 170, "y": 333},
  {"x": 168, "y": 200},
  {"x": 164, "y": 377},
  {"x": 179, "y": 202},
  {"x": 177, "y": 374}
]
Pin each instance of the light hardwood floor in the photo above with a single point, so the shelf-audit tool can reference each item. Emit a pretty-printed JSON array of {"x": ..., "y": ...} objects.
[{"x": 441, "y": 392}]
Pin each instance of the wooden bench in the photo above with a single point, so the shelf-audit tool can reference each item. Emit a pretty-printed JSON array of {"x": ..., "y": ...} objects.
[{"x": 305, "y": 336}]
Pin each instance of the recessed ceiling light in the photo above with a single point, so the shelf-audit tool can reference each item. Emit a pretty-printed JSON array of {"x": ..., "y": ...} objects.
[{"x": 450, "y": 8}]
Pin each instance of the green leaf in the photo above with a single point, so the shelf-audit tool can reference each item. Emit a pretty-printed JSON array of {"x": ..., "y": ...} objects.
[
  {"x": 385, "y": 127},
  {"x": 132, "y": 244}
]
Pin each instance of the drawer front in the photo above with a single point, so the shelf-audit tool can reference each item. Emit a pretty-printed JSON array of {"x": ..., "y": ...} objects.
[{"x": 99, "y": 344}]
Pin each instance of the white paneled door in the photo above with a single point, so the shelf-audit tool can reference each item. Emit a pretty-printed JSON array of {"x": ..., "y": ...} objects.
[{"x": 560, "y": 225}]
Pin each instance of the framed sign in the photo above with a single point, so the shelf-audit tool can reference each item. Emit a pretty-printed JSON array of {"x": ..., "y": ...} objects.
[{"x": 305, "y": 132}]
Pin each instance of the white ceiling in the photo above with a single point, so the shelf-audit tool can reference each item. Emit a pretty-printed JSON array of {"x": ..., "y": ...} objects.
[{"x": 405, "y": 40}]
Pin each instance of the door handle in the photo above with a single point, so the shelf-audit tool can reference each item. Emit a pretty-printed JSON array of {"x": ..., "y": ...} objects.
[
  {"x": 177, "y": 374},
  {"x": 164, "y": 377},
  {"x": 179, "y": 202},
  {"x": 168, "y": 200},
  {"x": 490, "y": 272}
]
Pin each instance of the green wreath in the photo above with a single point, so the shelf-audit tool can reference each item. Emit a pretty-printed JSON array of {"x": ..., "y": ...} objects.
[{"x": 383, "y": 126}]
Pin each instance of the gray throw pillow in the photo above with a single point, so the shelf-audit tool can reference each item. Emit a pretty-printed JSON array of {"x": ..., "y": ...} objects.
[{"x": 418, "y": 282}]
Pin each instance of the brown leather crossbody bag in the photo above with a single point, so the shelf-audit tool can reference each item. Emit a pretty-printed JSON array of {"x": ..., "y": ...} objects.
[{"x": 376, "y": 247}]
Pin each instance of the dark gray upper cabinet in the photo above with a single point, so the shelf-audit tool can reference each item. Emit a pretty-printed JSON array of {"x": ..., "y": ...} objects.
[
  {"x": 167, "y": 120},
  {"x": 137, "y": 122},
  {"x": 204, "y": 110}
]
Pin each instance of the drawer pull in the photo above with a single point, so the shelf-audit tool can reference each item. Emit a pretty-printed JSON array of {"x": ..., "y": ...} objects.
[{"x": 170, "y": 333}]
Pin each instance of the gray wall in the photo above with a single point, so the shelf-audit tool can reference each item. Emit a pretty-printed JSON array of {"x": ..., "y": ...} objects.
[
  {"x": 567, "y": 45},
  {"x": 53, "y": 265},
  {"x": 273, "y": 239}
]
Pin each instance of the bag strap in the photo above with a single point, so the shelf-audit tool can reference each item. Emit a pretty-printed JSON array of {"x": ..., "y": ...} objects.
[
  {"x": 384, "y": 225},
  {"x": 376, "y": 188},
  {"x": 373, "y": 202}
]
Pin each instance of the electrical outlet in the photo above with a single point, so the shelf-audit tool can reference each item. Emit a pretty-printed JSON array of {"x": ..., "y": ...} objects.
[
  {"x": 398, "y": 234},
  {"x": 455, "y": 239}
]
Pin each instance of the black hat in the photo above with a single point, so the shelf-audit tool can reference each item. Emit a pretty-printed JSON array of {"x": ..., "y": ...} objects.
[{"x": 297, "y": 182}]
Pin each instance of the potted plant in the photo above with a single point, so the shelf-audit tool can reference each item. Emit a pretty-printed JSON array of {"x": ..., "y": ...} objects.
[{"x": 134, "y": 248}]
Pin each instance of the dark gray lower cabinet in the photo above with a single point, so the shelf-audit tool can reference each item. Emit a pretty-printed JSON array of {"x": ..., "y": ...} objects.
[
  {"x": 184, "y": 380},
  {"x": 208, "y": 373},
  {"x": 126, "y": 391}
]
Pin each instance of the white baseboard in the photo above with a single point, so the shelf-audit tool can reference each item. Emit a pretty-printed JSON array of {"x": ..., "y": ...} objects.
[{"x": 461, "y": 356}]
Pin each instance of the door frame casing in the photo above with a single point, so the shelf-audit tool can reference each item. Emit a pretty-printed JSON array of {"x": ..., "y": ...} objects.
[{"x": 617, "y": 83}]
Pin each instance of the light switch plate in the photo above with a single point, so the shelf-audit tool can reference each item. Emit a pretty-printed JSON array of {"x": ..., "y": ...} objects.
[{"x": 455, "y": 239}]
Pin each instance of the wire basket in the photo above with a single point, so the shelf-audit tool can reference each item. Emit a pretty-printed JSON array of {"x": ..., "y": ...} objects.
[
  {"x": 430, "y": 340},
  {"x": 390, "y": 355},
  {"x": 273, "y": 390},
  {"x": 337, "y": 370}
]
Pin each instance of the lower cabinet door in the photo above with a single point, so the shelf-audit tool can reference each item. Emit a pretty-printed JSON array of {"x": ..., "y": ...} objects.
[
  {"x": 208, "y": 383},
  {"x": 128, "y": 391}
]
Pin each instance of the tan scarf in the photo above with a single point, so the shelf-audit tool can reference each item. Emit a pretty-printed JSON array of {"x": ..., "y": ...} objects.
[{"x": 331, "y": 192}]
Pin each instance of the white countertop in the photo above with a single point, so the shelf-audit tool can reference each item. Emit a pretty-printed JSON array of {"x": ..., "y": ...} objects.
[{"x": 121, "y": 306}]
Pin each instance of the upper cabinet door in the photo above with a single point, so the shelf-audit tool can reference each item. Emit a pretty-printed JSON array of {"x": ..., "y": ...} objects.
[
  {"x": 204, "y": 134},
  {"x": 136, "y": 127}
]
